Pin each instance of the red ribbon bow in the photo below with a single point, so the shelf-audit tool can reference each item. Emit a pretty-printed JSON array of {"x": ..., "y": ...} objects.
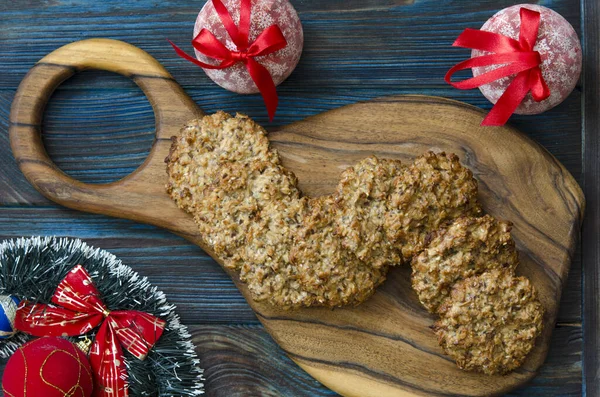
[
  {"x": 517, "y": 56},
  {"x": 81, "y": 311},
  {"x": 270, "y": 40}
]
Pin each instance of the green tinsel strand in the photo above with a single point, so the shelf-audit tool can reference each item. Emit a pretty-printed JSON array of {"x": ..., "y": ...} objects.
[{"x": 32, "y": 269}]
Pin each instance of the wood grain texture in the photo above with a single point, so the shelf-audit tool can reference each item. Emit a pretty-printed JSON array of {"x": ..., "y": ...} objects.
[
  {"x": 336, "y": 69},
  {"x": 242, "y": 361},
  {"x": 383, "y": 347},
  {"x": 591, "y": 186}
]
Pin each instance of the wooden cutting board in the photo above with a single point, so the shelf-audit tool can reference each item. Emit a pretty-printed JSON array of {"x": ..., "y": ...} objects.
[{"x": 384, "y": 347}]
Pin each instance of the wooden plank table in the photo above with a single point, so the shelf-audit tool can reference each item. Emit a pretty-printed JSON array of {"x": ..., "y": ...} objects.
[{"x": 99, "y": 127}]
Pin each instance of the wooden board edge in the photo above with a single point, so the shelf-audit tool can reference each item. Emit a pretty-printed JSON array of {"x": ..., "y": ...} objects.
[{"x": 358, "y": 384}]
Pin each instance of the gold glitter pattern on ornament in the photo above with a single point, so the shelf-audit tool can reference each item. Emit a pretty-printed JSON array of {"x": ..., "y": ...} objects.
[
  {"x": 76, "y": 387},
  {"x": 7, "y": 394}
]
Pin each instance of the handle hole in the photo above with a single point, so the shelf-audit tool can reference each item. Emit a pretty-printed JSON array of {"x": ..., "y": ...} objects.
[{"x": 98, "y": 127}]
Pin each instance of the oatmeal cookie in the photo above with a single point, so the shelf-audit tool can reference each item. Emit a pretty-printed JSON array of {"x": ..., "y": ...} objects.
[
  {"x": 490, "y": 322},
  {"x": 432, "y": 191},
  {"x": 467, "y": 247},
  {"x": 388, "y": 209},
  {"x": 222, "y": 171},
  {"x": 328, "y": 271},
  {"x": 362, "y": 201}
]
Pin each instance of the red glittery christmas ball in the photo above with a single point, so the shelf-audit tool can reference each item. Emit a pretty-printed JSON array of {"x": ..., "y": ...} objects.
[
  {"x": 48, "y": 367},
  {"x": 559, "y": 48},
  {"x": 264, "y": 13}
]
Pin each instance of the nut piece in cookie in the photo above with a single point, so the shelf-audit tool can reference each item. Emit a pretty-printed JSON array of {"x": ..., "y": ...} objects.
[
  {"x": 490, "y": 322},
  {"x": 467, "y": 247}
]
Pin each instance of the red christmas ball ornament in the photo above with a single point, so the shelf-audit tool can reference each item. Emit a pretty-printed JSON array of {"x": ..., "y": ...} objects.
[
  {"x": 49, "y": 367},
  {"x": 264, "y": 13},
  {"x": 559, "y": 49}
]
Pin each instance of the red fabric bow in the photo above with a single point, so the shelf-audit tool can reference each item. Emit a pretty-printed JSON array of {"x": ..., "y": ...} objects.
[
  {"x": 80, "y": 310},
  {"x": 270, "y": 40},
  {"x": 516, "y": 56}
]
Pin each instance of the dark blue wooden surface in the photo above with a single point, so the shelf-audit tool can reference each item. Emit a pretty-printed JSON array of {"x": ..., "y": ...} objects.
[{"x": 98, "y": 127}]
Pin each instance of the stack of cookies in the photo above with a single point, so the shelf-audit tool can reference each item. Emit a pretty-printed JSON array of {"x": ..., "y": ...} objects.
[{"x": 489, "y": 318}]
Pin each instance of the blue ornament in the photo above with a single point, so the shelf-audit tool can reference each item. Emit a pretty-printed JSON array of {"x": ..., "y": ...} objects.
[{"x": 8, "y": 310}]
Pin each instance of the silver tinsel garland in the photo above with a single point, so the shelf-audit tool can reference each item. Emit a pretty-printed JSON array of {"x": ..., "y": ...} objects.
[{"x": 32, "y": 268}]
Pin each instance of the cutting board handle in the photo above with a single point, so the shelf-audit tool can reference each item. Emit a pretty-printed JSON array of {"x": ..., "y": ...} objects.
[{"x": 172, "y": 108}]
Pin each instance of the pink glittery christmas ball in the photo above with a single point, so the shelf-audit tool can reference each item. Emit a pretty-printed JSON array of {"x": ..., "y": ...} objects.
[
  {"x": 264, "y": 13},
  {"x": 559, "y": 49}
]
